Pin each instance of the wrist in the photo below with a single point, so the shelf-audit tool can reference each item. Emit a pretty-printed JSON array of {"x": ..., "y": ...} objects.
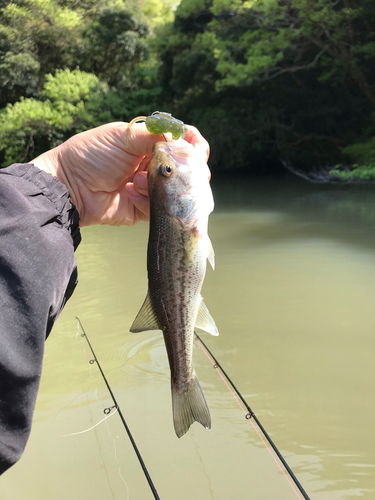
[
  {"x": 48, "y": 162},
  {"x": 51, "y": 162}
]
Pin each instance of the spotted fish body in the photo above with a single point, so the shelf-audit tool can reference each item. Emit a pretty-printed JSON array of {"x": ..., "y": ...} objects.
[{"x": 180, "y": 203}]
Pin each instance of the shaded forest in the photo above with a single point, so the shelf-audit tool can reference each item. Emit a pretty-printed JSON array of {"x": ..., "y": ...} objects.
[{"x": 268, "y": 82}]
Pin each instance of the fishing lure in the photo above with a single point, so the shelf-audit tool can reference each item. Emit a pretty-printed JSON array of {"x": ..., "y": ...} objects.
[{"x": 160, "y": 123}]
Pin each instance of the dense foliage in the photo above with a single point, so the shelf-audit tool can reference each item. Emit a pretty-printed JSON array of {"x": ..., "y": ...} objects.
[
  {"x": 69, "y": 65},
  {"x": 264, "y": 80},
  {"x": 274, "y": 78}
]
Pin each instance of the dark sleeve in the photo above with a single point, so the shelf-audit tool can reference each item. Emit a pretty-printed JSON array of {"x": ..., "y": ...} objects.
[{"x": 39, "y": 232}]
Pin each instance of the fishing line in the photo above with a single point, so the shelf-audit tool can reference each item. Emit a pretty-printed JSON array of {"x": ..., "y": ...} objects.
[
  {"x": 118, "y": 463},
  {"x": 251, "y": 415},
  {"x": 116, "y": 406},
  {"x": 93, "y": 427},
  {"x": 82, "y": 393}
]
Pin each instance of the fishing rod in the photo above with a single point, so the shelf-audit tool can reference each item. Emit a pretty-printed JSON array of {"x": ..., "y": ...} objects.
[
  {"x": 252, "y": 415},
  {"x": 249, "y": 415},
  {"x": 108, "y": 410}
]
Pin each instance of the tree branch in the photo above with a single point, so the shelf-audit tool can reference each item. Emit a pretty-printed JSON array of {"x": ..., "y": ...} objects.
[{"x": 294, "y": 69}]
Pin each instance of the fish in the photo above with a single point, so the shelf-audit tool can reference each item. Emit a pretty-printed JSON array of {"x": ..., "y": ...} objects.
[{"x": 178, "y": 248}]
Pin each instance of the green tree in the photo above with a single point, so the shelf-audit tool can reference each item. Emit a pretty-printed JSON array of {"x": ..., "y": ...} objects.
[
  {"x": 30, "y": 126},
  {"x": 272, "y": 78},
  {"x": 114, "y": 44},
  {"x": 67, "y": 65},
  {"x": 35, "y": 39}
]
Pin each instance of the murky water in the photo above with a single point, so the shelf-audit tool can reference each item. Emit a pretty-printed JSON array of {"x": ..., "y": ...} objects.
[{"x": 293, "y": 296}]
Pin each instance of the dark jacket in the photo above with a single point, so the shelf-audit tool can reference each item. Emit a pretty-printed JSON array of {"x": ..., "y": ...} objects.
[{"x": 39, "y": 232}]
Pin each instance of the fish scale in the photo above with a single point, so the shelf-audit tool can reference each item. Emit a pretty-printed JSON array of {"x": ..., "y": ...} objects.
[
  {"x": 171, "y": 292},
  {"x": 180, "y": 202}
]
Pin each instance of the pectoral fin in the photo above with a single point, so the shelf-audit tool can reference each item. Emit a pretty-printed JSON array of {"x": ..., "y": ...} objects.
[
  {"x": 211, "y": 253},
  {"x": 205, "y": 320},
  {"x": 145, "y": 319}
]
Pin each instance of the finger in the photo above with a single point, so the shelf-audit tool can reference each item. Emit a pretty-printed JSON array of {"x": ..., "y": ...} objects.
[
  {"x": 196, "y": 138},
  {"x": 140, "y": 183},
  {"x": 141, "y": 141},
  {"x": 143, "y": 166},
  {"x": 140, "y": 201}
]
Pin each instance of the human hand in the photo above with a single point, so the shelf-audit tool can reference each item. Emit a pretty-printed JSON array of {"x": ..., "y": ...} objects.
[{"x": 108, "y": 182}]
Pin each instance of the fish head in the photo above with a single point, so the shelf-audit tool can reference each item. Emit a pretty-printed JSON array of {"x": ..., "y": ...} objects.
[{"x": 178, "y": 180}]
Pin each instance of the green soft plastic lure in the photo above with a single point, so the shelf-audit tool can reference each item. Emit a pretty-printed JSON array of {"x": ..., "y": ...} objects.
[{"x": 160, "y": 123}]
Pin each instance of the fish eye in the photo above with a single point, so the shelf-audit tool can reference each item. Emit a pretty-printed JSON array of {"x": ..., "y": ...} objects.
[{"x": 165, "y": 169}]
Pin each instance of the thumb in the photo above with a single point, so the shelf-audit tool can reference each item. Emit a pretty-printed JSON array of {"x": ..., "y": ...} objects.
[{"x": 140, "y": 140}]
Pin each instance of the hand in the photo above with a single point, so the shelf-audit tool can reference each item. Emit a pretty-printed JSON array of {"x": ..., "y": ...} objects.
[{"x": 108, "y": 182}]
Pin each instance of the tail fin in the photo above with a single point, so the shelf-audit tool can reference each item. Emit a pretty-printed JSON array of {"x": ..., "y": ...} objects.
[{"x": 189, "y": 406}]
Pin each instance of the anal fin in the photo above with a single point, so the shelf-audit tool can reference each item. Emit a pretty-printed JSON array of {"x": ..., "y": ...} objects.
[{"x": 205, "y": 321}]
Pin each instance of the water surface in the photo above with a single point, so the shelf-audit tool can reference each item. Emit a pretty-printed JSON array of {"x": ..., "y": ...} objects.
[{"x": 293, "y": 297}]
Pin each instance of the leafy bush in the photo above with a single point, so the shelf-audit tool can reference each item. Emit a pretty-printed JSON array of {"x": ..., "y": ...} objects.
[
  {"x": 364, "y": 170},
  {"x": 30, "y": 126}
]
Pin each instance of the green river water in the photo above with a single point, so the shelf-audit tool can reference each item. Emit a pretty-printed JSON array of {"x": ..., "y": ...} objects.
[{"x": 293, "y": 296}]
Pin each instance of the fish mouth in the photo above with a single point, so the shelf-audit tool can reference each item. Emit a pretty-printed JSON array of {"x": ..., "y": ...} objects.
[{"x": 180, "y": 151}]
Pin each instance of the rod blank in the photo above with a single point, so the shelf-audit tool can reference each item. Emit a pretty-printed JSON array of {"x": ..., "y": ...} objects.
[{"x": 143, "y": 465}]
